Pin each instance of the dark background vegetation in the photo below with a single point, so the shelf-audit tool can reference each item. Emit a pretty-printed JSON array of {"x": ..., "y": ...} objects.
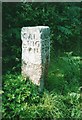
[
  {"x": 63, "y": 19},
  {"x": 64, "y": 75}
]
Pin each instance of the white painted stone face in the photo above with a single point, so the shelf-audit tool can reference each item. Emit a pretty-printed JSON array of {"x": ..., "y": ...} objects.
[{"x": 35, "y": 52}]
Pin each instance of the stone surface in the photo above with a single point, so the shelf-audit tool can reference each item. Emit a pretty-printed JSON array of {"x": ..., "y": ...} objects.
[{"x": 35, "y": 53}]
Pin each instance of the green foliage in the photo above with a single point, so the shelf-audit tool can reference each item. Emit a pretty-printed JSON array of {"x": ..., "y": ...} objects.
[
  {"x": 21, "y": 99},
  {"x": 64, "y": 73},
  {"x": 18, "y": 92},
  {"x": 71, "y": 67}
]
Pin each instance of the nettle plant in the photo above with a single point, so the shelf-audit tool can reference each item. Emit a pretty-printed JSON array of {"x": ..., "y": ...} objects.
[
  {"x": 18, "y": 93},
  {"x": 21, "y": 99}
]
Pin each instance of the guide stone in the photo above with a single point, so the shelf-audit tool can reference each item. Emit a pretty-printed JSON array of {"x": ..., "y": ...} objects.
[{"x": 35, "y": 53}]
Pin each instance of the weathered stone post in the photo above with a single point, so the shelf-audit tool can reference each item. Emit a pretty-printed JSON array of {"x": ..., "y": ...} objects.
[{"x": 35, "y": 53}]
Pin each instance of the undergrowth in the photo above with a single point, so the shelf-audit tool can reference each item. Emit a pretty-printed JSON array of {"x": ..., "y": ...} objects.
[{"x": 61, "y": 97}]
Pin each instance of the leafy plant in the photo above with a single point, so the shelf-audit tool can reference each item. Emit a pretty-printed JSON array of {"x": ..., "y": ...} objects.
[
  {"x": 17, "y": 93},
  {"x": 21, "y": 100}
]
